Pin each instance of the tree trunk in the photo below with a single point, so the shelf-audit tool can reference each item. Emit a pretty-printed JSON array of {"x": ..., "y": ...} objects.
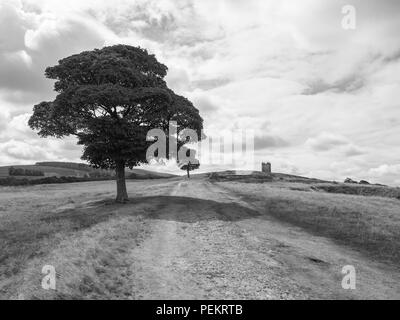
[
  {"x": 188, "y": 174},
  {"x": 122, "y": 194}
]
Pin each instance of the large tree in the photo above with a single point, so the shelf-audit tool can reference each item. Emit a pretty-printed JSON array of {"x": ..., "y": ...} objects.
[{"x": 110, "y": 98}]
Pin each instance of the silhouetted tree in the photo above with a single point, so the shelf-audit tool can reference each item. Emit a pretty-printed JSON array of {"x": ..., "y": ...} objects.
[
  {"x": 109, "y": 99},
  {"x": 190, "y": 167}
]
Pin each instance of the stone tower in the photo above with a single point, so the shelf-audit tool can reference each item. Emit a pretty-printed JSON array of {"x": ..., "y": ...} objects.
[{"x": 266, "y": 167}]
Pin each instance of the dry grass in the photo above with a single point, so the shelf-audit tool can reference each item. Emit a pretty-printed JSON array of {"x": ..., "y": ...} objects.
[
  {"x": 362, "y": 190},
  {"x": 36, "y": 221},
  {"x": 368, "y": 224},
  {"x": 90, "y": 241},
  {"x": 94, "y": 264}
]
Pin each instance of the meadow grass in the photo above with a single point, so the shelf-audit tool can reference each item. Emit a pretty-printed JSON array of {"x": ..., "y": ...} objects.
[{"x": 368, "y": 224}]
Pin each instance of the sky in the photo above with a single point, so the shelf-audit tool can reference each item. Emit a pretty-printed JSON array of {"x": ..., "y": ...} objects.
[{"x": 321, "y": 99}]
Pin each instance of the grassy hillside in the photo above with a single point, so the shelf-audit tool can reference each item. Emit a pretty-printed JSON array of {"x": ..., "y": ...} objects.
[
  {"x": 47, "y": 170},
  {"x": 259, "y": 177},
  {"x": 364, "y": 217},
  {"x": 308, "y": 184},
  {"x": 78, "y": 170}
]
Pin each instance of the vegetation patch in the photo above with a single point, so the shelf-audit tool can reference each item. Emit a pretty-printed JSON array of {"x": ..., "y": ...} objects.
[
  {"x": 370, "y": 225},
  {"x": 24, "y": 172},
  {"x": 11, "y": 181},
  {"x": 361, "y": 190}
]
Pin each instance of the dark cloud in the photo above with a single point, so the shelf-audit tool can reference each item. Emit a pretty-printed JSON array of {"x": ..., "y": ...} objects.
[
  {"x": 348, "y": 84},
  {"x": 12, "y": 29},
  {"x": 3, "y": 122},
  {"x": 326, "y": 141},
  {"x": 17, "y": 74},
  {"x": 71, "y": 36},
  {"x": 26, "y": 51},
  {"x": 143, "y": 23},
  {"x": 148, "y": 19},
  {"x": 205, "y": 105},
  {"x": 203, "y": 52},
  {"x": 210, "y": 83},
  {"x": 269, "y": 141},
  {"x": 265, "y": 125},
  {"x": 392, "y": 57},
  {"x": 353, "y": 151},
  {"x": 20, "y": 76}
]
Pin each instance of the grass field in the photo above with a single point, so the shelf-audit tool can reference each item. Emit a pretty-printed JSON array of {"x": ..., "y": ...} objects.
[
  {"x": 268, "y": 239},
  {"x": 368, "y": 223},
  {"x": 35, "y": 219}
]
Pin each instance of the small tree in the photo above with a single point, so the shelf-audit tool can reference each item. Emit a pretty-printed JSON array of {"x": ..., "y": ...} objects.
[
  {"x": 11, "y": 171},
  {"x": 190, "y": 167},
  {"x": 109, "y": 99}
]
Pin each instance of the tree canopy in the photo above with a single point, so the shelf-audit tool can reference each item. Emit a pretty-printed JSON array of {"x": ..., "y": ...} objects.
[{"x": 110, "y": 98}]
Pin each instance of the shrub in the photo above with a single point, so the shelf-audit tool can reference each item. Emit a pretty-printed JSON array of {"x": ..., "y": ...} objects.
[
  {"x": 11, "y": 181},
  {"x": 24, "y": 172}
]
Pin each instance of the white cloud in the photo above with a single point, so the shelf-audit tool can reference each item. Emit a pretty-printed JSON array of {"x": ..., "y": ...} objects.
[
  {"x": 243, "y": 63},
  {"x": 20, "y": 150}
]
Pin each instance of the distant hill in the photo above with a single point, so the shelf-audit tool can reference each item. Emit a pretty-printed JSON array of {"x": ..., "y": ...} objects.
[
  {"x": 257, "y": 176},
  {"x": 299, "y": 183},
  {"x": 79, "y": 170},
  {"x": 147, "y": 174}
]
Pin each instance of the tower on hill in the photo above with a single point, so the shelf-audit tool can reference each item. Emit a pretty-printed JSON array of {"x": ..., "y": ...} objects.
[{"x": 266, "y": 167}]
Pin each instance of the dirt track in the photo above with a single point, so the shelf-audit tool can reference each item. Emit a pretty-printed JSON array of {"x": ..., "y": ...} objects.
[
  {"x": 211, "y": 250},
  {"x": 196, "y": 240}
]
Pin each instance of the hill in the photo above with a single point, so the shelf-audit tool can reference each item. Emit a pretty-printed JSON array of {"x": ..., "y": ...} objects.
[
  {"x": 307, "y": 184},
  {"x": 78, "y": 170}
]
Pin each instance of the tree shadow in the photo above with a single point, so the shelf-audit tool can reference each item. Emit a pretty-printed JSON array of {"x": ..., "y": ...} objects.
[
  {"x": 191, "y": 210},
  {"x": 177, "y": 208},
  {"x": 33, "y": 235}
]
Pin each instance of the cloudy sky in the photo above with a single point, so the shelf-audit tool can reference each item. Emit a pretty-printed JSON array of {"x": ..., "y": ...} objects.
[{"x": 322, "y": 100}]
